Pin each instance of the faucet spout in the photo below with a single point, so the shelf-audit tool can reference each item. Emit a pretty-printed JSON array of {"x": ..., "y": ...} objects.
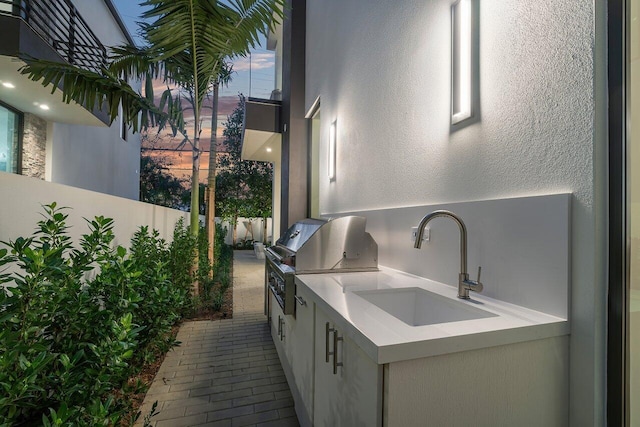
[
  {"x": 463, "y": 234},
  {"x": 464, "y": 283}
]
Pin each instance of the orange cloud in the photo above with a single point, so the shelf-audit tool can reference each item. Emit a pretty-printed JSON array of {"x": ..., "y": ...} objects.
[{"x": 178, "y": 155}]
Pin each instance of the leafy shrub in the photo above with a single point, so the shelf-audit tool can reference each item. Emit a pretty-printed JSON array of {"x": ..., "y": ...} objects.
[
  {"x": 162, "y": 303},
  {"x": 181, "y": 255},
  {"x": 218, "y": 299},
  {"x": 224, "y": 258},
  {"x": 76, "y": 323},
  {"x": 221, "y": 268},
  {"x": 205, "y": 268},
  {"x": 244, "y": 244},
  {"x": 213, "y": 279}
]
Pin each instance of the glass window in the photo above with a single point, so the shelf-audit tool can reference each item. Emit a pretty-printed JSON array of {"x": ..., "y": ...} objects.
[{"x": 9, "y": 140}]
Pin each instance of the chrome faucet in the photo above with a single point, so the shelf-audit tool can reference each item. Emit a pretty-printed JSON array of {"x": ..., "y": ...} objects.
[{"x": 464, "y": 283}]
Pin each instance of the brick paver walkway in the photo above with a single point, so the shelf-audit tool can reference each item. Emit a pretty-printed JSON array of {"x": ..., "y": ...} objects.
[{"x": 225, "y": 372}]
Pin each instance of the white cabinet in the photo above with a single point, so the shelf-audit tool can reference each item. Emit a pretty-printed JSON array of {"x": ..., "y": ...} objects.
[
  {"x": 278, "y": 324},
  {"x": 335, "y": 383},
  {"x": 299, "y": 354},
  {"x": 345, "y": 390},
  {"x": 348, "y": 384},
  {"x": 293, "y": 338}
]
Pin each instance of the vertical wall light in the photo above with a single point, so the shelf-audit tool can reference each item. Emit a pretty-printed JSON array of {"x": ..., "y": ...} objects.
[
  {"x": 332, "y": 151},
  {"x": 461, "y": 21}
]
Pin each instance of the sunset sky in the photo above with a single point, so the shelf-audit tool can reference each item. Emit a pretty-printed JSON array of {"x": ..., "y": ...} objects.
[{"x": 253, "y": 76}]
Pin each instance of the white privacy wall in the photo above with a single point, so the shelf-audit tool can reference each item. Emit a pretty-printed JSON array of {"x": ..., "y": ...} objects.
[
  {"x": 382, "y": 71},
  {"x": 95, "y": 158},
  {"x": 21, "y": 208}
]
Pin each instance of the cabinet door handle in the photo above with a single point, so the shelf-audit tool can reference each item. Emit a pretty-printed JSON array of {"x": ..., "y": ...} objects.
[
  {"x": 300, "y": 300},
  {"x": 327, "y": 353},
  {"x": 336, "y": 338},
  {"x": 282, "y": 330},
  {"x": 280, "y": 327},
  {"x": 268, "y": 297}
]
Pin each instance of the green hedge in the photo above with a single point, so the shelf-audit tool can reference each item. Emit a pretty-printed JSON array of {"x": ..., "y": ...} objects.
[{"x": 77, "y": 321}]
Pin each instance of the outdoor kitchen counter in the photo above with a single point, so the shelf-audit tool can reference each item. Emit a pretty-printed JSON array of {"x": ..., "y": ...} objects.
[{"x": 385, "y": 338}]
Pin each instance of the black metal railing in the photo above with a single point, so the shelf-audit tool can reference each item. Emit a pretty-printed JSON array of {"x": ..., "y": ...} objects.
[{"x": 59, "y": 24}]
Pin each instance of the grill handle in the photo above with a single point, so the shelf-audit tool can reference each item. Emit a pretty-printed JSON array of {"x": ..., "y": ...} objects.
[{"x": 273, "y": 254}]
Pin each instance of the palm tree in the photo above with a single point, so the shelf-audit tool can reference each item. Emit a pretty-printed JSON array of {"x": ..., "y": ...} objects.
[{"x": 186, "y": 44}]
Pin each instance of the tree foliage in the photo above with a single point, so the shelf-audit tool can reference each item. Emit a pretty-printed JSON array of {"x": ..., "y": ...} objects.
[
  {"x": 157, "y": 185},
  {"x": 243, "y": 187},
  {"x": 186, "y": 45},
  {"x": 186, "y": 197}
]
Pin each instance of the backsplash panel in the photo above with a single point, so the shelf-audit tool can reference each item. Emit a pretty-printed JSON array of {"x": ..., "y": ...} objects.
[{"x": 521, "y": 243}]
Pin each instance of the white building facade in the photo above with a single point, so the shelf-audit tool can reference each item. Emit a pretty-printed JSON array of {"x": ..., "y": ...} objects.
[
  {"x": 42, "y": 137},
  {"x": 383, "y": 76},
  {"x": 377, "y": 82}
]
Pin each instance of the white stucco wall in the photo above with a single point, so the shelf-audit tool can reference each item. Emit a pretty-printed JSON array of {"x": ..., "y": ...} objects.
[
  {"x": 22, "y": 199},
  {"x": 383, "y": 73},
  {"x": 96, "y": 158},
  {"x": 100, "y": 20}
]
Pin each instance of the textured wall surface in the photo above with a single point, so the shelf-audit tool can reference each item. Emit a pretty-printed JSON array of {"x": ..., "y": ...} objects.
[
  {"x": 34, "y": 144},
  {"x": 382, "y": 71}
]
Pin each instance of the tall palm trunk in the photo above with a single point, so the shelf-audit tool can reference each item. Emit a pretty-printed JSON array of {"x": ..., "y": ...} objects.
[
  {"x": 195, "y": 185},
  {"x": 195, "y": 199},
  {"x": 195, "y": 171},
  {"x": 211, "y": 181}
]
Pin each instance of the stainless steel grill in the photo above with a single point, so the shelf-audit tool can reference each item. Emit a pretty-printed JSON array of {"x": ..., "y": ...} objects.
[{"x": 317, "y": 246}]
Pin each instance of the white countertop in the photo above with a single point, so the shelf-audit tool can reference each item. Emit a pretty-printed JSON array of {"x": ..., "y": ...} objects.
[{"x": 387, "y": 339}]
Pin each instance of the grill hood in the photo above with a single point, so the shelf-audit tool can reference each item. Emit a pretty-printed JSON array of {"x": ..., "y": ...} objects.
[{"x": 321, "y": 246}]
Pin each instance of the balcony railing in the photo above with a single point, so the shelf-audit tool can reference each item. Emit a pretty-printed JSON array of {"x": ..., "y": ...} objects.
[{"x": 59, "y": 24}]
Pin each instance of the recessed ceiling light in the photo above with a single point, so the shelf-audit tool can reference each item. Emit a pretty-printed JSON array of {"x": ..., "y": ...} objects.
[
  {"x": 8, "y": 85},
  {"x": 268, "y": 149},
  {"x": 44, "y": 106}
]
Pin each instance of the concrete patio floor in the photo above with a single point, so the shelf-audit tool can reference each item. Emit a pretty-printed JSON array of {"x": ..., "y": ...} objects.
[{"x": 225, "y": 372}]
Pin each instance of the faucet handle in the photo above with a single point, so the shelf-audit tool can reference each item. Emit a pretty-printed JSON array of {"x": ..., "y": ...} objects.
[{"x": 478, "y": 286}]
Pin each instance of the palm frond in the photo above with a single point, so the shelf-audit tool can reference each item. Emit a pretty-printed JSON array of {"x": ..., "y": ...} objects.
[
  {"x": 193, "y": 37},
  {"x": 187, "y": 44},
  {"x": 99, "y": 91},
  {"x": 132, "y": 62},
  {"x": 250, "y": 19},
  {"x": 224, "y": 75}
]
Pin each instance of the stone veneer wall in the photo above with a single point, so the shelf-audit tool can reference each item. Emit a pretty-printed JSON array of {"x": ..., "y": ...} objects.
[{"x": 34, "y": 143}]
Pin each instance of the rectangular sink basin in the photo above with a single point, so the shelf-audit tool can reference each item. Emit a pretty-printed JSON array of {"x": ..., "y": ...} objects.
[{"x": 418, "y": 307}]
